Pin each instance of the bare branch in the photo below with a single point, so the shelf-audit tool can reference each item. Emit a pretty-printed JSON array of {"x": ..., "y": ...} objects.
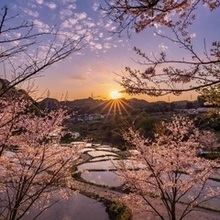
[{"x": 28, "y": 38}]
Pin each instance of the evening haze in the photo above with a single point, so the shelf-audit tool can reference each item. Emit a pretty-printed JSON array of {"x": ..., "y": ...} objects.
[{"x": 92, "y": 71}]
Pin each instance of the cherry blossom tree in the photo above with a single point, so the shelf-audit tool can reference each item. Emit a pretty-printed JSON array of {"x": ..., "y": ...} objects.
[
  {"x": 165, "y": 74},
  {"x": 208, "y": 140},
  {"x": 168, "y": 168},
  {"x": 33, "y": 166}
]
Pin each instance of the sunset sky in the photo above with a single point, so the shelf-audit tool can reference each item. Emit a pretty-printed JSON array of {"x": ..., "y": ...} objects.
[{"x": 92, "y": 70}]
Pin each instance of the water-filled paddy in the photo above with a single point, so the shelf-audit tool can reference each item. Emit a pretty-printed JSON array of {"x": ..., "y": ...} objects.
[
  {"x": 103, "y": 158},
  {"x": 99, "y": 165},
  {"x": 98, "y": 153},
  {"x": 77, "y": 207},
  {"x": 107, "y": 178}
]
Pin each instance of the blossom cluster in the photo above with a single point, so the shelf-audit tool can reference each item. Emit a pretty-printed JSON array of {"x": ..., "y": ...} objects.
[
  {"x": 169, "y": 167},
  {"x": 32, "y": 165}
]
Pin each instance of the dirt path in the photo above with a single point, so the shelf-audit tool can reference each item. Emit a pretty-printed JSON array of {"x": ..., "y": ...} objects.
[{"x": 198, "y": 214}]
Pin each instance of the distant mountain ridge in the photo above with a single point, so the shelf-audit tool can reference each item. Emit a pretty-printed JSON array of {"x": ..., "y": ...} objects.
[
  {"x": 50, "y": 104},
  {"x": 90, "y": 105}
]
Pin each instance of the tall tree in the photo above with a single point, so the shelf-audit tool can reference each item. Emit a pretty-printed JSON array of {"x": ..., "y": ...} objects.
[
  {"x": 169, "y": 169},
  {"x": 33, "y": 165}
]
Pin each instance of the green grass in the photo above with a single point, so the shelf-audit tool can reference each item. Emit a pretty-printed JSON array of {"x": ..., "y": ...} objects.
[
  {"x": 212, "y": 155},
  {"x": 117, "y": 211},
  {"x": 217, "y": 134}
]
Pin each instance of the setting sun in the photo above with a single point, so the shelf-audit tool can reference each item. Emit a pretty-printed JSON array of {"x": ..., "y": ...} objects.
[{"x": 115, "y": 95}]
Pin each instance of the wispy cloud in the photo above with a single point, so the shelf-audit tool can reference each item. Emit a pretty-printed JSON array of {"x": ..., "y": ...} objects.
[
  {"x": 42, "y": 27},
  {"x": 163, "y": 47},
  {"x": 95, "y": 6},
  {"x": 77, "y": 77},
  {"x": 72, "y": 20},
  {"x": 67, "y": 1},
  {"x": 40, "y": 1},
  {"x": 51, "y": 5},
  {"x": 30, "y": 12},
  {"x": 64, "y": 13}
]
